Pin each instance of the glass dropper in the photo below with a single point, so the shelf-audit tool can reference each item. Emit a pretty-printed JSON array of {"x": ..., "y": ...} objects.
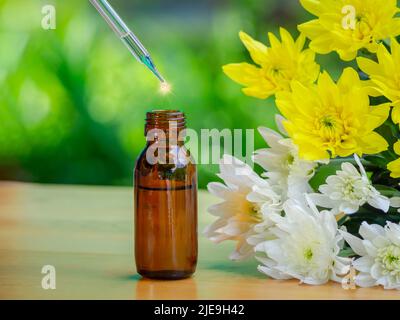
[{"x": 126, "y": 35}]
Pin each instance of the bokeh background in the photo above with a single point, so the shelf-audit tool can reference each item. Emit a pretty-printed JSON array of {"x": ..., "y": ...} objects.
[{"x": 73, "y": 100}]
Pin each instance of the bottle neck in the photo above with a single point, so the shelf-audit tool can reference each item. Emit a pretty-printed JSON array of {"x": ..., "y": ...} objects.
[{"x": 165, "y": 126}]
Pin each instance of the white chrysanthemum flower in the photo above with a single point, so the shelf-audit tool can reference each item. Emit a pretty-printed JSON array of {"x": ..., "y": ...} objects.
[
  {"x": 261, "y": 231},
  {"x": 348, "y": 190},
  {"x": 247, "y": 198},
  {"x": 380, "y": 255},
  {"x": 282, "y": 163},
  {"x": 306, "y": 247}
]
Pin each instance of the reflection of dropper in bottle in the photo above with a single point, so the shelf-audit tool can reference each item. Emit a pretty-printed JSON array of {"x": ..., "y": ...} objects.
[{"x": 126, "y": 35}]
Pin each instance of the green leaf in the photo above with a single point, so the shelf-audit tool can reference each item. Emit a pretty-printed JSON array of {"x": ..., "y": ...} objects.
[
  {"x": 387, "y": 191},
  {"x": 347, "y": 252},
  {"x": 371, "y": 216},
  {"x": 324, "y": 172},
  {"x": 377, "y": 160}
]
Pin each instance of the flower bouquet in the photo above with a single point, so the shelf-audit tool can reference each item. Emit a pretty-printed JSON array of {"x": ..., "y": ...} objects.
[{"x": 327, "y": 202}]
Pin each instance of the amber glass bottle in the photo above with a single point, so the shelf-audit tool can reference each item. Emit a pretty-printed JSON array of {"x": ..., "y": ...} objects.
[{"x": 165, "y": 201}]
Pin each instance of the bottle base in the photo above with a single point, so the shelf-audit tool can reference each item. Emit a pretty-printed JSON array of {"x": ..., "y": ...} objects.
[{"x": 165, "y": 274}]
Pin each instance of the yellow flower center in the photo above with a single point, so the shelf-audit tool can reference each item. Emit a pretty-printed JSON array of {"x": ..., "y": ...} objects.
[
  {"x": 331, "y": 129},
  {"x": 275, "y": 70},
  {"x": 364, "y": 27},
  {"x": 328, "y": 122},
  {"x": 279, "y": 75}
]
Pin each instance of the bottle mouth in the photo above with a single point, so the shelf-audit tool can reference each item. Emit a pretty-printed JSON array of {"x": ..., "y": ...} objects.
[
  {"x": 165, "y": 115},
  {"x": 165, "y": 120}
]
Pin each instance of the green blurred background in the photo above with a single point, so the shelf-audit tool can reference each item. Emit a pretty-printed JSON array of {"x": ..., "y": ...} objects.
[{"x": 73, "y": 100}]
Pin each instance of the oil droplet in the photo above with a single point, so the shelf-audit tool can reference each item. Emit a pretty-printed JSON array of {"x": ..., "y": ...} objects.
[{"x": 165, "y": 88}]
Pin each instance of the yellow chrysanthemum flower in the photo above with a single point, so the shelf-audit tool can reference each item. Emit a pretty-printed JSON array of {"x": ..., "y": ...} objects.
[
  {"x": 279, "y": 64},
  {"x": 394, "y": 166},
  {"x": 345, "y": 26},
  {"x": 330, "y": 120},
  {"x": 385, "y": 76}
]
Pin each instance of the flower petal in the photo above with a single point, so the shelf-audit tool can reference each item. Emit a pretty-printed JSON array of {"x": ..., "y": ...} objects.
[
  {"x": 365, "y": 280},
  {"x": 256, "y": 49},
  {"x": 355, "y": 243},
  {"x": 371, "y": 231},
  {"x": 243, "y": 73},
  {"x": 380, "y": 202},
  {"x": 364, "y": 264}
]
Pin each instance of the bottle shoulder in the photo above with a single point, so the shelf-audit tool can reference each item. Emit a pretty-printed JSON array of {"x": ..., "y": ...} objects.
[
  {"x": 177, "y": 165},
  {"x": 177, "y": 156}
]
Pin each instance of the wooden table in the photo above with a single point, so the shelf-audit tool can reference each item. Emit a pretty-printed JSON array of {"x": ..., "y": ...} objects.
[{"x": 86, "y": 234}]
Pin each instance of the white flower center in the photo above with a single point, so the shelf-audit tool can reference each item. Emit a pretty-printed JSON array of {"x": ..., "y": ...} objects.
[
  {"x": 290, "y": 160},
  {"x": 389, "y": 259},
  {"x": 308, "y": 254},
  {"x": 255, "y": 212},
  {"x": 348, "y": 190},
  {"x": 355, "y": 190}
]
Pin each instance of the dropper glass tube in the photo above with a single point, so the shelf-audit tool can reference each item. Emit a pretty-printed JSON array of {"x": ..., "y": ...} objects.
[{"x": 126, "y": 35}]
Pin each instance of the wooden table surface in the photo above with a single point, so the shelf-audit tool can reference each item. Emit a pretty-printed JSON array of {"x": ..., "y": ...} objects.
[{"x": 86, "y": 234}]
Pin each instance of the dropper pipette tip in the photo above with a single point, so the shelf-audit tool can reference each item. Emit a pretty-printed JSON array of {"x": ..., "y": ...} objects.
[
  {"x": 150, "y": 64},
  {"x": 160, "y": 77},
  {"x": 165, "y": 87},
  {"x": 126, "y": 35}
]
